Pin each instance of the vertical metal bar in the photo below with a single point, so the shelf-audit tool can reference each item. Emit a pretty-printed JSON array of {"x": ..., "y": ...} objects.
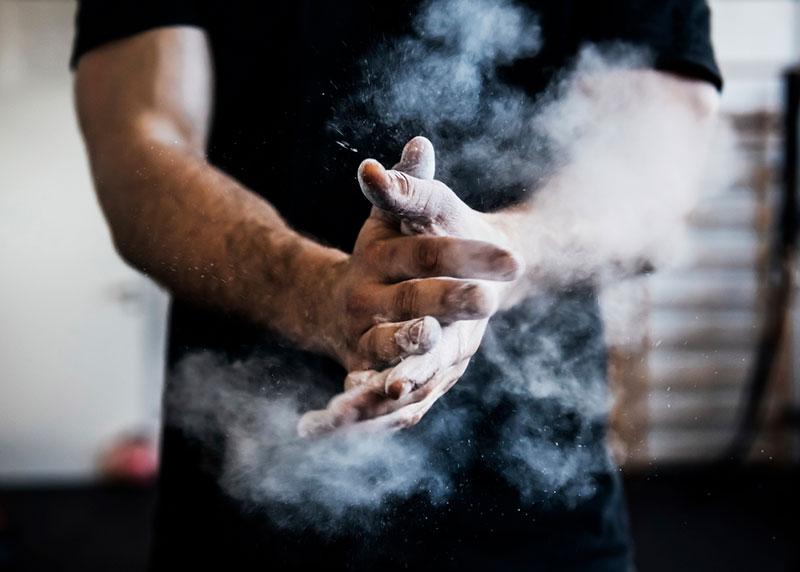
[
  {"x": 780, "y": 280},
  {"x": 791, "y": 154}
]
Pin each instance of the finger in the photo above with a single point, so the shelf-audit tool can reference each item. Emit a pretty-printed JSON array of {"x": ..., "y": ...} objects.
[
  {"x": 408, "y": 413},
  {"x": 360, "y": 401},
  {"x": 446, "y": 299},
  {"x": 440, "y": 384},
  {"x": 314, "y": 423},
  {"x": 427, "y": 256},
  {"x": 408, "y": 197},
  {"x": 459, "y": 342},
  {"x": 418, "y": 159},
  {"x": 321, "y": 421},
  {"x": 388, "y": 343},
  {"x": 360, "y": 378},
  {"x": 368, "y": 410}
]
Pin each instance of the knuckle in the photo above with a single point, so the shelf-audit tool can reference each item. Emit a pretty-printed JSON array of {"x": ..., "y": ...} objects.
[
  {"x": 368, "y": 341},
  {"x": 419, "y": 198},
  {"x": 427, "y": 255},
  {"x": 350, "y": 382},
  {"x": 406, "y": 298},
  {"x": 405, "y": 185},
  {"x": 359, "y": 362},
  {"x": 374, "y": 251},
  {"x": 356, "y": 302},
  {"x": 448, "y": 297}
]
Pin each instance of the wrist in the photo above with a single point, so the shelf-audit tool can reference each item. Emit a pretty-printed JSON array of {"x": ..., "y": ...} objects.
[
  {"x": 297, "y": 300},
  {"x": 321, "y": 300}
]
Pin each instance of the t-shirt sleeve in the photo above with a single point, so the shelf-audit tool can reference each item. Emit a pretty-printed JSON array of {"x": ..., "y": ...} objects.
[
  {"x": 677, "y": 33},
  {"x": 99, "y": 22}
]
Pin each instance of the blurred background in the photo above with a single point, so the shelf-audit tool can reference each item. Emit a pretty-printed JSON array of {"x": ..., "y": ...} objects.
[{"x": 705, "y": 368}]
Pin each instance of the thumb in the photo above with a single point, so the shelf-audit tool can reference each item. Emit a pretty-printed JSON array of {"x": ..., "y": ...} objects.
[
  {"x": 420, "y": 202},
  {"x": 418, "y": 159}
]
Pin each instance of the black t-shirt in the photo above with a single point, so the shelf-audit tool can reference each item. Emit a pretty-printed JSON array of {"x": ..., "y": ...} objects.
[{"x": 529, "y": 483}]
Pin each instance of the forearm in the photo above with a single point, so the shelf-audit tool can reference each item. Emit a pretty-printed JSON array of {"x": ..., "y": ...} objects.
[
  {"x": 207, "y": 239},
  {"x": 144, "y": 107}
]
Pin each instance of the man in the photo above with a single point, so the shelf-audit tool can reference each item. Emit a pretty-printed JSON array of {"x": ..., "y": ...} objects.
[{"x": 207, "y": 125}]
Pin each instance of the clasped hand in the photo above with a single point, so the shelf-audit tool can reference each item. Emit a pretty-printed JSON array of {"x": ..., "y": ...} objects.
[{"x": 426, "y": 274}]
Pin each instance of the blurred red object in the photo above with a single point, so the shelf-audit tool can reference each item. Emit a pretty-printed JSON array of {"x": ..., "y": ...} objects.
[{"x": 130, "y": 459}]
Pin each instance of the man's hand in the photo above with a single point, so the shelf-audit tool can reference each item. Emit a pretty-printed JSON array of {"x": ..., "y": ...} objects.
[
  {"x": 391, "y": 296},
  {"x": 408, "y": 199}
]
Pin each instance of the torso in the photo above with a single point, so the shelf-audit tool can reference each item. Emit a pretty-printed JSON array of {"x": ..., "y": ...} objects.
[{"x": 529, "y": 475}]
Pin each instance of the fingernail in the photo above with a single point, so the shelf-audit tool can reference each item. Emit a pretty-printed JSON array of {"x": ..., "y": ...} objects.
[
  {"x": 411, "y": 152},
  {"x": 419, "y": 336},
  {"x": 407, "y": 337},
  {"x": 372, "y": 174},
  {"x": 415, "y": 331}
]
